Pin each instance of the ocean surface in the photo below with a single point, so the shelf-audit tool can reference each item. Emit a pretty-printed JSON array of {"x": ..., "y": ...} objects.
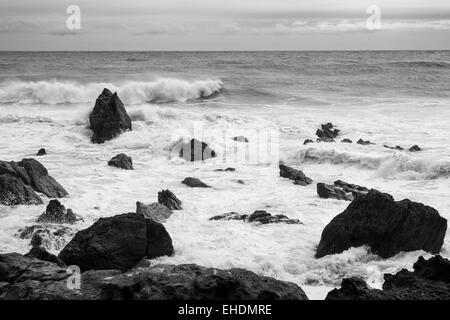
[{"x": 390, "y": 98}]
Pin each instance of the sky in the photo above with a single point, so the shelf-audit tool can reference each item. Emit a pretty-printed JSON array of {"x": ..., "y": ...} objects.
[{"x": 225, "y": 25}]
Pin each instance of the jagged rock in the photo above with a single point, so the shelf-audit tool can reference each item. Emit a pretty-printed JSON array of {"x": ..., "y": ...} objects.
[
  {"x": 415, "y": 148},
  {"x": 42, "y": 254},
  {"x": 364, "y": 142},
  {"x": 51, "y": 237},
  {"x": 386, "y": 226},
  {"x": 121, "y": 161},
  {"x": 193, "y": 282},
  {"x": 354, "y": 189},
  {"x": 194, "y": 183},
  {"x": 167, "y": 198},
  {"x": 327, "y": 191},
  {"x": 57, "y": 213},
  {"x": 195, "y": 150},
  {"x": 307, "y": 141},
  {"x": 346, "y": 140},
  {"x": 14, "y": 192},
  {"x": 297, "y": 175},
  {"x": 240, "y": 139},
  {"x": 430, "y": 280},
  {"x": 327, "y": 133},
  {"x": 260, "y": 216},
  {"x": 240, "y": 182},
  {"x": 155, "y": 211},
  {"x": 227, "y": 169},
  {"x": 394, "y": 148},
  {"x": 41, "y": 152},
  {"x": 109, "y": 118},
  {"x": 117, "y": 242}
]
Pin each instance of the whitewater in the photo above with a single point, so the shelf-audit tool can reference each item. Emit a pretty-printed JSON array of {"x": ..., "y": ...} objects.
[{"x": 235, "y": 93}]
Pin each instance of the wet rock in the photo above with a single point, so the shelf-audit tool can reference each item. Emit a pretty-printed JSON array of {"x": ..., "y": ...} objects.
[
  {"x": 307, "y": 141},
  {"x": 194, "y": 183},
  {"x": 41, "y": 152},
  {"x": 230, "y": 216},
  {"x": 430, "y": 280},
  {"x": 240, "y": 182},
  {"x": 42, "y": 254},
  {"x": 394, "y": 148},
  {"x": 259, "y": 216},
  {"x": 297, "y": 175},
  {"x": 386, "y": 226},
  {"x": 327, "y": 191},
  {"x": 49, "y": 236},
  {"x": 327, "y": 133},
  {"x": 117, "y": 242},
  {"x": 415, "y": 148},
  {"x": 121, "y": 161},
  {"x": 14, "y": 192},
  {"x": 240, "y": 139},
  {"x": 167, "y": 198},
  {"x": 57, "y": 213},
  {"x": 109, "y": 118},
  {"x": 155, "y": 211},
  {"x": 346, "y": 140},
  {"x": 195, "y": 150},
  {"x": 364, "y": 142},
  {"x": 227, "y": 169}
]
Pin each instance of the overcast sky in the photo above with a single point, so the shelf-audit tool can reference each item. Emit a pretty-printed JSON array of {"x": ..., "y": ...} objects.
[{"x": 224, "y": 25}]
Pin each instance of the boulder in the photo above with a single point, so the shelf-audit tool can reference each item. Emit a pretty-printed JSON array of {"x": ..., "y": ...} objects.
[
  {"x": 259, "y": 216},
  {"x": 41, "y": 152},
  {"x": 364, "y": 142},
  {"x": 194, "y": 183},
  {"x": 240, "y": 139},
  {"x": 386, "y": 226},
  {"x": 117, "y": 242},
  {"x": 121, "y": 161},
  {"x": 297, "y": 175},
  {"x": 196, "y": 150},
  {"x": 327, "y": 133},
  {"x": 14, "y": 192},
  {"x": 415, "y": 148},
  {"x": 57, "y": 213},
  {"x": 167, "y": 198},
  {"x": 307, "y": 141},
  {"x": 155, "y": 211},
  {"x": 109, "y": 118},
  {"x": 430, "y": 280},
  {"x": 327, "y": 191}
]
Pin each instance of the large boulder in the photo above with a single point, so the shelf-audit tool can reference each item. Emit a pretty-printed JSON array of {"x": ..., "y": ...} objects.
[
  {"x": 196, "y": 150},
  {"x": 57, "y": 213},
  {"x": 430, "y": 280},
  {"x": 121, "y": 161},
  {"x": 296, "y": 175},
  {"x": 109, "y": 117},
  {"x": 14, "y": 192},
  {"x": 386, "y": 226},
  {"x": 117, "y": 242}
]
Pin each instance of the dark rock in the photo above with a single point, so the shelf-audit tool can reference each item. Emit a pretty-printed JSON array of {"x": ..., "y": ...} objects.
[
  {"x": 51, "y": 237},
  {"x": 121, "y": 161},
  {"x": 240, "y": 139},
  {"x": 430, "y": 280},
  {"x": 194, "y": 183},
  {"x": 14, "y": 192},
  {"x": 155, "y": 211},
  {"x": 386, "y": 226},
  {"x": 364, "y": 142},
  {"x": 259, "y": 216},
  {"x": 307, "y": 141},
  {"x": 297, "y": 175},
  {"x": 109, "y": 117},
  {"x": 57, "y": 213},
  {"x": 193, "y": 282},
  {"x": 7, "y": 168},
  {"x": 240, "y": 182},
  {"x": 117, "y": 242},
  {"x": 327, "y": 191},
  {"x": 41, "y": 152},
  {"x": 353, "y": 189},
  {"x": 167, "y": 198},
  {"x": 42, "y": 254},
  {"x": 346, "y": 140},
  {"x": 195, "y": 150},
  {"x": 415, "y": 148},
  {"x": 327, "y": 133},
  {"x": 227, "y": 169},
  {"x": 394, "y": 148}
]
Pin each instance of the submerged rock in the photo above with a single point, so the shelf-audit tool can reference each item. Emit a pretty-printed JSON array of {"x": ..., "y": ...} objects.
[
  {"x": 415, "y": 148},
  {"x": 41, "y": 152},
  {"x": 364, "y": 142},
  {"x": 386, "y": 226},
  {"x": 14, "y": 192},
  {"x": 167, "y": 198},
  {"x": 394, "y": 148},
  {"x": 430, "y": 280},
  {"x": 240, "y": 139},
  {"x": 227, "y": 169},
  {"x": 259, "y": 216},
  {"x": 121, "y": 161},
  {"x": 117, "y": 242},
  {"x": 109, "y": 118},
  {"x": 346, "y": 140},
  {"x": 307, "y": 141},
  {"x": 194, "y": 183},
  {"x": 155, "y": 211},
  {"x": 49, "y": 236},
  {"x": 195, "y": 150},
  {"x": 57, "y": 213},
  {"x": 297, "y": 175}
]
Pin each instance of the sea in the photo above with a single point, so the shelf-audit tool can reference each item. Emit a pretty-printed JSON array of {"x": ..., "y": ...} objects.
[{"x": 393, "y": 98}]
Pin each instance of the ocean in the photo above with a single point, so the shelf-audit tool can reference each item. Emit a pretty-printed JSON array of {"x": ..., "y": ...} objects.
[{"x": 388, "y": 97}]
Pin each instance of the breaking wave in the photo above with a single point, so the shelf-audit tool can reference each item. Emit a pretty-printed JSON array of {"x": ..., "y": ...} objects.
[{"x": 133, "y": 92}]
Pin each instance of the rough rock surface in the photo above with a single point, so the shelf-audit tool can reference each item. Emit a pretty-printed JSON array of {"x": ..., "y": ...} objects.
[
  {"x": 386, "y": 226},
  {"x": 297, "y": 175},
  {"x": 155, "y": 211},
  {"x": 259, "y": 216},
  {"x": 117, "y": 242},
  {"x": 415, "y": 148},
  {"x": 430, "y": 280},
  {"x": 196, "y": 150},
  {"x": 109, "y": 118},
  {"x": 41, "y": 152},
  {"x": 194, "y": 183},
  {"x": 327, "y": 133},
  {"x": 57, "y": 213},
  {"x": 341, "y": 190},
  {"x": 14, "y": 192},
  {"x": 42, "y": 254},
  {"x": 121, "y": 161},
  {"x": 167, "y": 198}
]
